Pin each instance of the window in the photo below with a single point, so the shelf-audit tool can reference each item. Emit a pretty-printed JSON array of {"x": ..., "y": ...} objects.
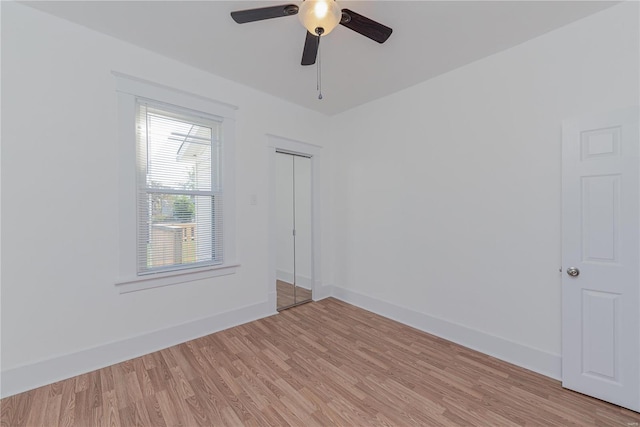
[
  {"x": 176, "y": 188},
  {"x": 179, "y": 189}
]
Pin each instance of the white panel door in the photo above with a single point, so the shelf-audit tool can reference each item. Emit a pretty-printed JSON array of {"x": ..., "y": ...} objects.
[{"x": 601, "y": 257}]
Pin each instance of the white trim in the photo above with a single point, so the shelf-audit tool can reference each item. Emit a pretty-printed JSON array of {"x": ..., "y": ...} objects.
[
  {"x": 277, "y": 143},
  {"x": 293, "y": 146},
  {"x": 272, "y": 297},
  {"x": 321, "y": 292},
  {"x": 147, "y": 89},
  {"x": 158, "y": 280},
  {"x": 28, "y": 377},
  {"x": 539, "y": 361},
  {"x": 128, "y": 89}
]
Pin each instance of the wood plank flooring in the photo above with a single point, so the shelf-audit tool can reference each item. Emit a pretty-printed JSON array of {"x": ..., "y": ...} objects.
[
  {"x": 285, "y": 296},
  {"x": 325, "y": 363}
]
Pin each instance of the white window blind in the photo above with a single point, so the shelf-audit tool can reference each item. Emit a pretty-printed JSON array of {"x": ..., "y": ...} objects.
[{"x": 179, "y": 188}]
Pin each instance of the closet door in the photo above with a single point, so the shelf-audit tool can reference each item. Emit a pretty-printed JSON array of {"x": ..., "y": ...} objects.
[
  {"x": 302, "y": 225},
  {"x": 285, "y": 255},
  {"x": 294, "y": 269}
]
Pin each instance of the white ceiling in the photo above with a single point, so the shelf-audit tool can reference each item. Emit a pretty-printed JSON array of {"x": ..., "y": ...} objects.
[{"x": 429, "y": 38}]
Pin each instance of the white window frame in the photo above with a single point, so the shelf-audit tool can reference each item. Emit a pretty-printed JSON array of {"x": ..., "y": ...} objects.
[{"x": 129, "y": 89}]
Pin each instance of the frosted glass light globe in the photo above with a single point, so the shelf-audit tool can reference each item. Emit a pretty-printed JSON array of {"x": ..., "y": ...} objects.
[{"x": 323, "y": 14}]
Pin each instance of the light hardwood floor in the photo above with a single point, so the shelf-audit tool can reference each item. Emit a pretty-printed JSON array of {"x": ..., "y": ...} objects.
[
  {"x": 319, "y": 364},
  {"x": 284, "y": 292}
]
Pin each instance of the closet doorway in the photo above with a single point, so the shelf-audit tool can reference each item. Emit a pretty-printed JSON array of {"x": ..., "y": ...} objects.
[{"x": 294, "y": 262}]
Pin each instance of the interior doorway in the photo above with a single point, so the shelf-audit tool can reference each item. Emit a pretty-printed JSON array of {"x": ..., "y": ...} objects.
[{"x": 294, "y": 263}]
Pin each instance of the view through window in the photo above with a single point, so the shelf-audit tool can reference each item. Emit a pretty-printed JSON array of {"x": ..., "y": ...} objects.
[{"x": 179, "y": 189}]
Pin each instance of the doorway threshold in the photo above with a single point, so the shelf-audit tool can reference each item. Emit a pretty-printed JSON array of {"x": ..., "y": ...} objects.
[{"x": 293, "y": 305}]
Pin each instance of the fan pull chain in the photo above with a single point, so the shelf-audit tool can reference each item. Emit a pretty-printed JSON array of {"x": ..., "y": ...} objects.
[{"x": 319, "y": 72}]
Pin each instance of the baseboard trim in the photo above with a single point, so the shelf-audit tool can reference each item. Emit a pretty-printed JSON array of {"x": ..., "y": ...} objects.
[
  {"x": 544, "y": 363},
  {"x": 322, "y": 292},
  {"x": 28, "y": 377}
]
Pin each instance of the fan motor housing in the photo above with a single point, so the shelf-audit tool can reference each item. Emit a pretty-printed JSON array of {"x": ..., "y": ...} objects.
[{"x": 291, "y": 9}]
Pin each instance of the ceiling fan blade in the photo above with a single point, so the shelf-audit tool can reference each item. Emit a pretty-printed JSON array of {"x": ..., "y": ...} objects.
[
  {"x": 251, "y": 15},
  {"x": 310, "y": 49},
  {"x": 365, "y": 26}
]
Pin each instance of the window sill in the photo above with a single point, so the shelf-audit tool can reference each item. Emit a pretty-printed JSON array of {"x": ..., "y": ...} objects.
[{"x": 173, "y": 278}]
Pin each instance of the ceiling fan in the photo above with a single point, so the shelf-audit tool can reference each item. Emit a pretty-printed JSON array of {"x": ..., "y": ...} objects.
[{"x": 319, "y": 17}]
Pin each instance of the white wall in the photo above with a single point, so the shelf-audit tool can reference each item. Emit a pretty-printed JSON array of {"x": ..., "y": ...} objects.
[
  {"x": 445, "y": 197},
  {"x": 447, "y": 194},
  {"x": 60, "y": 203}
]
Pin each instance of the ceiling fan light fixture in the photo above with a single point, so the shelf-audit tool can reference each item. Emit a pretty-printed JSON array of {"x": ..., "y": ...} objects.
[{"x": 323, "y": 14}]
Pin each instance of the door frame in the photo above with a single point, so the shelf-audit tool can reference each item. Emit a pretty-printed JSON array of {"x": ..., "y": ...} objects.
[{"x": 286, "y": 145}]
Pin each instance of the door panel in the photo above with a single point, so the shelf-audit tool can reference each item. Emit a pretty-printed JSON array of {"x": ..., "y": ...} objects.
[
  {"x": 600, "y": 237},
  {"x": 600, "y": 218},
  {"x": 284, "y": 231},
  {"x": 302, "y": 175},
  {"x": 600, "y": 341}
]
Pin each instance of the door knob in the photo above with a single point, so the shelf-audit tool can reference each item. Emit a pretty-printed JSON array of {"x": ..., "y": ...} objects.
[{"x": 573, "y": 272}]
